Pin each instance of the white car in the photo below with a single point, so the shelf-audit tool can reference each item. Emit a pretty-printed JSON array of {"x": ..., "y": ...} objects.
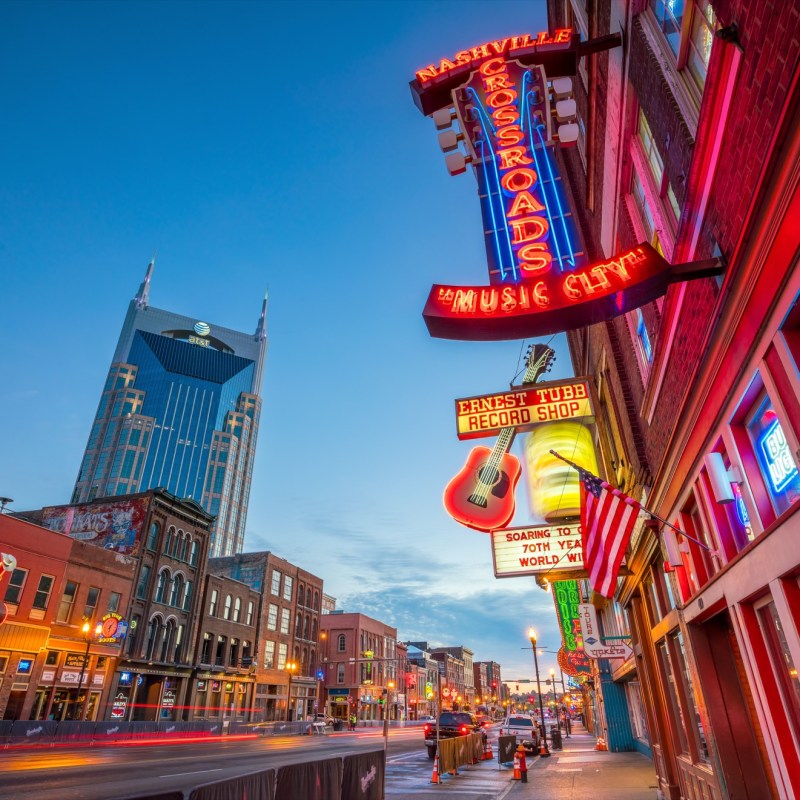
[
  {"x": 525, "y": 728},
  {"x": 426, "y": 718}
]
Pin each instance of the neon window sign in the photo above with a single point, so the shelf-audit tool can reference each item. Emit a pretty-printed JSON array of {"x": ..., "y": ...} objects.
[{"x": 781, "y": 468}]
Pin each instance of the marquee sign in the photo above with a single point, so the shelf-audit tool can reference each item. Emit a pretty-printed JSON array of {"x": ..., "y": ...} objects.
[
  {"x": 486, "y": 415},
  {"x": 540, "y": 279},
  {"x": 538, "y": 549}
]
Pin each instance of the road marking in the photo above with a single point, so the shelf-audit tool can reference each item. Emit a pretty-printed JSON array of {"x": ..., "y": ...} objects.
[{"x": 199, "y": 772}]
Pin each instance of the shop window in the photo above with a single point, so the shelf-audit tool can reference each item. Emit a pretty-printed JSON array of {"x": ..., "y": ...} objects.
[
  {"x": 698, "y": 729},
  {"x": 783, "y": 665},
  {"x": 774, "y": 456},
  {"x": 674, "y": 708}
]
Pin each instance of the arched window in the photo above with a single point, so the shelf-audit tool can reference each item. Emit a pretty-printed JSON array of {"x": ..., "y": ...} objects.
[
  {"x": 316, "y": 601},
  {"x": 212, "y": 605},
  {"x": 227, "y": 612},
  {"x": 152, "y": 536},
  {"x": 187, "y": 596},
  {"x": 153, "y": 631},
  {"x": 341, "y": 643},
  {"x": 168, "y": 641},
  {"x": 193, "y": 553},
  {"x": 169, "y": 543},
  {"x": 161, "y": 587},
  {"x": 314, "y": 630},
  {"x": 306, "y": 628},
  {"x": 179, "y": 548},
  {"x": 176, "y": 596},
  {"x": 298, "y": 626},
  {"x": 304, "y": 663},
  {"x": 250, "y": 612},
  {"x": 308, "y": 597},
  {"x": 301, "y": 594},
  {"x": 312, "y": 660},
  {"x": 237, "y": 609}
]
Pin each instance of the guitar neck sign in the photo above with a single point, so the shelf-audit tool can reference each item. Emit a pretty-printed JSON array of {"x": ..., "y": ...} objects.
[{"x": 485, "y": 415}]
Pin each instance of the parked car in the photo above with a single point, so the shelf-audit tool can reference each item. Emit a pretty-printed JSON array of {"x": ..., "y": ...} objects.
[
  {"x": 426, "y": 718},
  {"x": 526, "y": 730},
  {"x": 328, "y": 720},
  {"x": 451, "y": 723}
]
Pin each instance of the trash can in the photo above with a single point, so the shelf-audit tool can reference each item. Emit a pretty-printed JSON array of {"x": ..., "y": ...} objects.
[
  {"x": 338, "y": 724},
  {"x": 555, "y": 738}
]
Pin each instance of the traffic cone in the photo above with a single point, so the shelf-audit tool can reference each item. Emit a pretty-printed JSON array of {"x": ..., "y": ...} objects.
[
  {"x": 435, "y": 777},
  {"x": 487, "y": 751},
  {"x": 517, "y": 773},
  {"x": 601, "y": 744}
]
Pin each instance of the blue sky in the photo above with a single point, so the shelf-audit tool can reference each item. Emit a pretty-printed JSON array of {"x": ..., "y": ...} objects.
[{"x": 265, "y": 146}]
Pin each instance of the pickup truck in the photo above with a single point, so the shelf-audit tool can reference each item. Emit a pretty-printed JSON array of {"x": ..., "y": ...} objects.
[
  {"x": 451, "y": 723},
  {"x": 525, "y": 728}
]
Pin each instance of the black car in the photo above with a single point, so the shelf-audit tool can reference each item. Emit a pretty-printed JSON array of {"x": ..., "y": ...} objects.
[{"x": 451, "y": 723}]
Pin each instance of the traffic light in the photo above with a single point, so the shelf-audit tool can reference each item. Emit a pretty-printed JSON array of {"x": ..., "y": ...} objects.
[{"x": 494, "y": 684}]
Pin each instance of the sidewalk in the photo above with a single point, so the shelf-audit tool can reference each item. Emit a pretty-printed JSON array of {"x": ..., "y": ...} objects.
[{"x": 579, "y": 771}]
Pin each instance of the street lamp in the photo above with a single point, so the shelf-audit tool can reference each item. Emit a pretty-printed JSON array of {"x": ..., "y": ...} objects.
[
  {"x": 532, "y": 636},
  {"x": 291, "y": 667},
  {"x": 389, "y": 687},
  {"x": 97, "y": 631}
]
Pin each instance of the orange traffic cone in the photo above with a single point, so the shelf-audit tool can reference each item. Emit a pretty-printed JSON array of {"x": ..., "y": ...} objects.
[
  {"x": 517, "y": 773},
  {"x": 435, "y": 777},
  {"x": 601, "y": 744},
  {"x": 487, "y": 752}
]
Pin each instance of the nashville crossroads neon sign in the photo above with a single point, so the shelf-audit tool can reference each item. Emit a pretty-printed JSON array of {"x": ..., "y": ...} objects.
[{"x": 540, "y": 279}]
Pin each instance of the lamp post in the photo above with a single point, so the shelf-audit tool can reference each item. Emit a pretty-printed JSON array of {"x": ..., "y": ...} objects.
[
  {"x": 532, "y": 636},
  {"x": 291, "y": 668},
  {"x": 386, "y": 706},
  {"x": 97, "y": 631}
]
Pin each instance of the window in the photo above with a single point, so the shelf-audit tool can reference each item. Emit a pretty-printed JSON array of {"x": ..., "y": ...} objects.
[
  {"x": 91, "y": 602},
  {"x": 276, "y": 583},
  {"x": 67, "y": 601},
  {"x": 237, "y": 609},
  {"x": 152, "y": 536},
  {"x": 284, "y": 620},
  {"x": 249, "y": 618},
  {"x": 272, "y": 617},
  {"x": 341, "y": 643},
  {"x": 193, "y": 553},
  {"x": 168, "y": 544},
  {"x": 42, "y": 596},
  {"x": 176, "y": 595},
  {"x": 161, "y": 586},
  {"x": 650, "y": 149},
  {"x": 15, "y": 584},
  {"x": 144, "y": 580},
  {"x": 187, "y": 596},
  {"x": 645, "y": 212},
  {"x": 269, "y": 655},
  {"x": 340, "y": 673},
  {"x": 212, "y": 605},
  {"x": 226, "y": 614},
  {"x": 288, "y": 581},
  {"x": 282, "y": 651},
  {"x": 701, "y": 743},
  {"x": 688, "y": 28},
  {"x": 643, "y": 338},
  {"x": 113, "y": 601},
  {"x": 774, "y": 456}
]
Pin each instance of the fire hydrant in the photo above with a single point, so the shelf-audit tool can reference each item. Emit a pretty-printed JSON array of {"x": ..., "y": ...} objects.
[{"x": 523, "y": 766}]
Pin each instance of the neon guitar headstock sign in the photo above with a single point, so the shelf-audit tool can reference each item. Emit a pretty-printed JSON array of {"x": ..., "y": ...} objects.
[{"x": 540, "y": 279}]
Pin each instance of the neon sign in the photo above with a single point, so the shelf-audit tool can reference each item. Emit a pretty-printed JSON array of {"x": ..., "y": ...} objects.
[
  {"x": 484, "y": 415},
  {"x": 781, "y": 468},
  {"x": 540, "y": 278}
]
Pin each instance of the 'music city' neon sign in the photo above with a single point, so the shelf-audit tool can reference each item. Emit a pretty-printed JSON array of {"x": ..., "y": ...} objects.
[{"x": 540, "y": 279}]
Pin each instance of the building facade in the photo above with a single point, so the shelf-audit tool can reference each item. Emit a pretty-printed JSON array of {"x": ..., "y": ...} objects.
[
  {"x": 288, "y": 633},
  {"x": 360, "y": 667},
  {"x": 180, "y": 409},
  {"x": 689, "y": 141}
]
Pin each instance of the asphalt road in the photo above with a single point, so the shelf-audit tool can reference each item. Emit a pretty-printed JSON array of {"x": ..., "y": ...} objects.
[{"x": 102, "y": 773}]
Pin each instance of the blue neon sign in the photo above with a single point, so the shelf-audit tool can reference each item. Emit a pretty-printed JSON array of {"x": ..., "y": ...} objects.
[{"x": 777, "y": 457}]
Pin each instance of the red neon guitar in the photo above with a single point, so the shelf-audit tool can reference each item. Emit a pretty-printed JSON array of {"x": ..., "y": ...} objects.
[{"x": 481, "y": 495}]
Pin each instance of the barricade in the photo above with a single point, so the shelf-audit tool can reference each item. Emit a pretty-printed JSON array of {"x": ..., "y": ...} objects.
[
  {"x": 5, "y": 731},
  {"x": 143, "y": 729},
  {"x": 73, "y": 730},
  {"x": 28, "y": 731},
  {"x": 506, "y": 747},
  {"x": 321, "y": 780},
  {"x": 363, "y": 776},
  {"x": 111, "y": 731},
  {"x": 259, "y": 785},
  {"x": 459, "y": 751}
]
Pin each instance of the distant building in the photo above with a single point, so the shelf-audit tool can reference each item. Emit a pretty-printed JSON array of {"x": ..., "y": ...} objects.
[{"x": 180, "y": 410}]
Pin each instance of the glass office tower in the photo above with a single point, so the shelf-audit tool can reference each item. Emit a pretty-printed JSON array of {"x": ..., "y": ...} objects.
[{"x": 179, "y": 410}]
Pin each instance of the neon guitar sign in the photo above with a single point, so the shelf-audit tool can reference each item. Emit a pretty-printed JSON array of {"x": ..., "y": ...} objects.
[
  {"x": 481, "y": 495},
  {"x": 541, "y": 280}
]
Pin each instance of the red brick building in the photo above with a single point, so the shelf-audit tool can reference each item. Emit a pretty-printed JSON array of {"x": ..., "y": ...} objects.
[{"x": 689, "y": 139}]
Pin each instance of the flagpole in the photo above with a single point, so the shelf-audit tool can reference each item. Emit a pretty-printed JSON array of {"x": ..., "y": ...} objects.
[{"x": 646, "y": 510}]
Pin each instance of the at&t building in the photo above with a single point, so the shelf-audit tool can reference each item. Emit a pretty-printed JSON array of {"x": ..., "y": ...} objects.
[{"x": 179, "y": 410}]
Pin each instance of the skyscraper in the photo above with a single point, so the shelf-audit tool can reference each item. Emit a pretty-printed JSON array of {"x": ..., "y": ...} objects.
[{"x": 179, "y": 410}]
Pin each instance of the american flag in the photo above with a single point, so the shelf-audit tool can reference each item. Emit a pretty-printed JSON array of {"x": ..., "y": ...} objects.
[{"x": 607, "y": 520}]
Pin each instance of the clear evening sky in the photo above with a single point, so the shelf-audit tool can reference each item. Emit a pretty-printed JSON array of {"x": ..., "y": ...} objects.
[{"x": 265, "y": 146}]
